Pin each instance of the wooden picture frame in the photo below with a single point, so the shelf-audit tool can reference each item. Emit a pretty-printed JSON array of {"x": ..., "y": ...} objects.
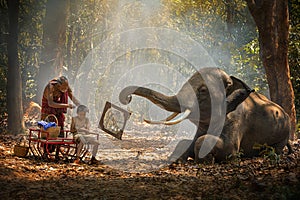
[{"x": 113, "y": 126}]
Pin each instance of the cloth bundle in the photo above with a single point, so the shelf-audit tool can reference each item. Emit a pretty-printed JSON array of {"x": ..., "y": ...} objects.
[{"x": 46, "y": 125}]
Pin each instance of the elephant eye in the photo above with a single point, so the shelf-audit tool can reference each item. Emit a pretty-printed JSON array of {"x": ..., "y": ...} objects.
[{"x": 203, "y": 89}]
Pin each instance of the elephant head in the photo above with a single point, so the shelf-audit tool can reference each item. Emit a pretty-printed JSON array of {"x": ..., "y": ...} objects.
[{"x": 209, "y": 92}]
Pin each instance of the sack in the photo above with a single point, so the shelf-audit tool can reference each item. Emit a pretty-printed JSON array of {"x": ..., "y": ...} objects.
[
  {"x": 53, "y": 131},
  {"x": 19, "y": 149}
]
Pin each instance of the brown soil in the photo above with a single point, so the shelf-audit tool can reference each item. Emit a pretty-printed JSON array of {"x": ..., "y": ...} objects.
[{"x": 258, "y": 178}]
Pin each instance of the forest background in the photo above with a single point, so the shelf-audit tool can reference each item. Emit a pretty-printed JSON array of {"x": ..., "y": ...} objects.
[{"x": 54, "y": 37}]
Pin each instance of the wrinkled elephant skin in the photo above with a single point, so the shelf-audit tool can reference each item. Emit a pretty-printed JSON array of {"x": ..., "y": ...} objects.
[{"x": 212, "y": 98}]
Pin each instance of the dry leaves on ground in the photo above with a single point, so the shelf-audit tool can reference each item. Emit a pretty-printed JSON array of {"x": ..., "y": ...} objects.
[{"x": 258, "y": 178}]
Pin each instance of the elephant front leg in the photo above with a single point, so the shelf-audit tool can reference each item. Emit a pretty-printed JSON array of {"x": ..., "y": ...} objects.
[
  {"x": 183, "y": 150},
  {"x": 208, "y": 148}
]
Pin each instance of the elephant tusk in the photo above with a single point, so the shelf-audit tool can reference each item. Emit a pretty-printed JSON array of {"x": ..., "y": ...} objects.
[
  {"x": 179, "y": 119},
  {"x": 162, "y": 121},
  {"x": 171, "y": 121},
  {"x": 172, "y": 116}
]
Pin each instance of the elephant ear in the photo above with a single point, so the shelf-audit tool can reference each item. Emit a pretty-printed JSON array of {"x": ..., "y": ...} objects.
[{"x": 239, "y": 94}]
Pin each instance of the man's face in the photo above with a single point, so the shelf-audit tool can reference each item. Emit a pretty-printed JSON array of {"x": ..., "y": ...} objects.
[{"x": 63, "y": 87}]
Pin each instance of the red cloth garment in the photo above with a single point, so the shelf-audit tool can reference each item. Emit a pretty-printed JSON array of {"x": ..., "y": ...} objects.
[{"x": 58, "y": 97}]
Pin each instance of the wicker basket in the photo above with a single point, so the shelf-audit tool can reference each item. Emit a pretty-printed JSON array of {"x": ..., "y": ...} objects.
[
  {"x": 53, "y": 131},
  {"x": 21, "y": 150}
]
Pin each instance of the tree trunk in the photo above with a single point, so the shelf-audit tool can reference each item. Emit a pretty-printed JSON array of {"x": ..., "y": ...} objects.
[
  {"x": 14, "y": 81},
  {"x": 271, "y": 17},
  {"x": 229, "y": 8},
  {"x": 54, "y": 40},
  {"x": 71, "y": 39}
]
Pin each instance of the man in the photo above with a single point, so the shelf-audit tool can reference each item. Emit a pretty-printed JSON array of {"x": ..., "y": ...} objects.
[{"x": 55, "y": 100}]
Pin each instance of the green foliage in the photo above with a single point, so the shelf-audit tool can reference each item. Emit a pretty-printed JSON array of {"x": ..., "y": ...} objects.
[
  {"x": 236, "y": 158},
  {"x": 29, "y": 45},
  {"x": 267, "y": 152},
  {"x": 248, "y": 66},
  {"x": 225, "y": 28},
  {"x": 232, "y": 44},
  {"x": 294, "y": 50}
]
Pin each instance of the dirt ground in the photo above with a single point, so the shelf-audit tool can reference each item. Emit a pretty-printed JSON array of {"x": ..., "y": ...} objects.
[{"x": 257, "y": 178}]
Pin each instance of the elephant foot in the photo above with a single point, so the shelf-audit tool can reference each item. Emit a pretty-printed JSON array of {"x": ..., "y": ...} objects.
[
  {"x": 178, "y": 161},
  {"x": 209, "y": 149},
  {"x": 208, "y": 159}
]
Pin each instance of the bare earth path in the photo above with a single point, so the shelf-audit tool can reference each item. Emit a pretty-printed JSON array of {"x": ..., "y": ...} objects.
[{"x": 26, "y": 178}]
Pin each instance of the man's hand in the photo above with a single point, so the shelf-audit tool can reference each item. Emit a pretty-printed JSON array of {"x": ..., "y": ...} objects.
[{"x": 71, "y": 106}]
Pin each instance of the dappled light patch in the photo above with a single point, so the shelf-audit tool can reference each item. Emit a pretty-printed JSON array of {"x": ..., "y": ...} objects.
[{"x": 27, "y": 178}]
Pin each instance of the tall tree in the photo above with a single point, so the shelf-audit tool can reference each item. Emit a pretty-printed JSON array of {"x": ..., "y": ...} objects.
[
  {"x": 294, "y": 50},
  {"x": 272, "y": 20},
  {"x": 14, "y": 81},
  {"x": 54, "y": 39}
]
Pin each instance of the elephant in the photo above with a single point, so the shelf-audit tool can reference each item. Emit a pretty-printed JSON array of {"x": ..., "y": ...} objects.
[{"x": 229, "y": 115}]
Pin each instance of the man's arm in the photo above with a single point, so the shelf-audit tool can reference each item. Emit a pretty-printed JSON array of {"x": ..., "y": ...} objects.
[{"x": 72, "y": 97}]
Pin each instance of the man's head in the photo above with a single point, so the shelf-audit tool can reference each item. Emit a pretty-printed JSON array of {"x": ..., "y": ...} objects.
[{"x": 63, "y": 84}]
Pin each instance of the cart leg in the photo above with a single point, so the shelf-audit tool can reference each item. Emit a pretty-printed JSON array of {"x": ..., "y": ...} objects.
[{"x": 57, "y": 152}]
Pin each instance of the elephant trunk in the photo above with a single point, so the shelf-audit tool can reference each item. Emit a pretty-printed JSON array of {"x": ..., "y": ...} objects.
[{"x": 169, "y": 103}]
